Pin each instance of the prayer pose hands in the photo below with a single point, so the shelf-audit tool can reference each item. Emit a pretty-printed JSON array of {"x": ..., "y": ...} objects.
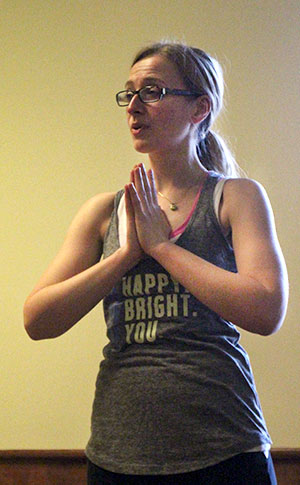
[{"x": 146, "y": 221}]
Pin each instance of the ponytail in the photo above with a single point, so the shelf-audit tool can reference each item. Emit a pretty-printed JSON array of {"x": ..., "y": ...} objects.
[{"x": 215, "y": 155}]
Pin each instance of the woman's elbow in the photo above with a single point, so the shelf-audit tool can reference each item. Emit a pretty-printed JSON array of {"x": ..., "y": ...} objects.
[
  {"x": 30, "y": 327},
  {"x": 273, "y": 315},
  {"x": 32, "y": 333},
  {"x": 32, "y": 324},
  {"x": 269, "y": 327},
  {"x": 264, "y": 315}
]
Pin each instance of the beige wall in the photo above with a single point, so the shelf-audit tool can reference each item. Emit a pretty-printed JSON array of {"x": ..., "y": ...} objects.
[{"x": 63, "y": 139}]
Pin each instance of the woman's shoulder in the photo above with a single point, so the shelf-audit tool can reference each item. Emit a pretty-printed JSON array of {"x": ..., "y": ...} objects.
[
  {"x": 241, "y": 195},
  {"x": 243, "y": 188},
  {"x": 94, "y": 215},
  {"x": 100, "y": 201}
]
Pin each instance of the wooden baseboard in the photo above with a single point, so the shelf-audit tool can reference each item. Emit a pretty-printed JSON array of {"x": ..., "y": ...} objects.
[
  {"x": 68, "y": 467},
  {"x": 287, "y": 465},
  {"x": 42, "y": 467}
]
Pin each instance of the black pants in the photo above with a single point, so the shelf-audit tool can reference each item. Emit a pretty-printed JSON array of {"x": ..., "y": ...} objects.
[{"x": 243, "y": 469}]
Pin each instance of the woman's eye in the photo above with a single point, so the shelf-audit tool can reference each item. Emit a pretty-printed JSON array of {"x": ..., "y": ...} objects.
[
  {"x": 151, "y": 89},
  {"x": 150, "y": 93}
]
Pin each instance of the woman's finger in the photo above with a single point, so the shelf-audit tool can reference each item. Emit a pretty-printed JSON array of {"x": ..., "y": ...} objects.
[
  {"x": 140, "y": 187},
  {"x": 135, "y": 200},
  {"x": 132, "y": 174},
  {"x": 128, "y": 204},
  {"x": 143, "y": 184},
  {"x": 131, "y": 235},
  {"x": 146, "y": 182},
  {"x": 152, "y": 186}
]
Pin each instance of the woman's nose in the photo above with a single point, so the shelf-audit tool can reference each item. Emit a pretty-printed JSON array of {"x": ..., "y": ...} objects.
[{"x": 135, "y": 105}]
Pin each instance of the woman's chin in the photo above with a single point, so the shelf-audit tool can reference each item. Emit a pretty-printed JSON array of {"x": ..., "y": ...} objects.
[{"x": 141, "y": 146}]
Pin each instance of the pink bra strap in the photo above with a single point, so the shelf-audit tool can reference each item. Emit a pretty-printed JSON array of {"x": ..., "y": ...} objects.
[{"x": 179, "y": 230}]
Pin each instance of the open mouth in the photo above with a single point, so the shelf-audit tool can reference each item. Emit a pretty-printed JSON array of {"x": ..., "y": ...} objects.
[{"x": 137, "y": 128}]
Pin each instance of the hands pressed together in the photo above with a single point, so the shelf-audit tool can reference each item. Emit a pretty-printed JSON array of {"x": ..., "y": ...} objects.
[{"x": 147, "y": 224}]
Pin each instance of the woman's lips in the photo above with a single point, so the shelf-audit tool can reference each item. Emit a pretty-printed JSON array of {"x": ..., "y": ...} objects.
[{"x": 137, "y": 128}]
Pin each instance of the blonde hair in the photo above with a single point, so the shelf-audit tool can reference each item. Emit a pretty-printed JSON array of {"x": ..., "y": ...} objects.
[{"x": 200, "y": 72}]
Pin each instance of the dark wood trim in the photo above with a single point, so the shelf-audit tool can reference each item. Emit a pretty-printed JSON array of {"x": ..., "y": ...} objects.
[
  {"x": 286, "y": 454},
  {"x": 74, "y": 455},
  {"x": 42, "y": 467},
  {"x": 55, "y": 467}
]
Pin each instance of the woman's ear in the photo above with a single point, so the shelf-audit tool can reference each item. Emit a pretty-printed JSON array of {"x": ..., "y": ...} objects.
[{"x": 201, "y": 109}]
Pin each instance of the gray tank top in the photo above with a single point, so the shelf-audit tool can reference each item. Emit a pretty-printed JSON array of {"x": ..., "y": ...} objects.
[{"x": 175, "y": 390}]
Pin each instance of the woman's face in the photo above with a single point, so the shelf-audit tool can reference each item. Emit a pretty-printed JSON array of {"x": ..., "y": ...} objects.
[{"x": 166, "y": 124}]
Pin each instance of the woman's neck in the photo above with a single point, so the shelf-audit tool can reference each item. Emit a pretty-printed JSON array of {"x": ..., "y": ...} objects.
[{"x": 176, "y": 171}]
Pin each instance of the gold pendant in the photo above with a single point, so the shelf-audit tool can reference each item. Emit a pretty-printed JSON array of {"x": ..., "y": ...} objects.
[{"x": 173, "y": 207}]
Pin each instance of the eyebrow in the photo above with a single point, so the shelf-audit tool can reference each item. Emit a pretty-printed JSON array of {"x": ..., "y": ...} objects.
[{"x": 147, "y": 81}]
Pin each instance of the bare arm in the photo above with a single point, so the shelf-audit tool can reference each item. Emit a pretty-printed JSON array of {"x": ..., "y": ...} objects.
[
  {"x": 255, "y": 297},
  {"x": 77, "y": 280}
]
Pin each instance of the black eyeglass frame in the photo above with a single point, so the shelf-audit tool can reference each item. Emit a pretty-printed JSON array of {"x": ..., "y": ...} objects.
[{"x": 163, "y": 92}]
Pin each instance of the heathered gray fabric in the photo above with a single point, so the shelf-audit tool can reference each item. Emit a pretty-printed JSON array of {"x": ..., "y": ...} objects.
[{"x": 175, "y": 391}]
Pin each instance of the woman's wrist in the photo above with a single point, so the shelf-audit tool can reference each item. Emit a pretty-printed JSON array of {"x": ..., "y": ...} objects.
[
  {"x": 128, "y": 257},
  {"x": 160, "y": 250}
]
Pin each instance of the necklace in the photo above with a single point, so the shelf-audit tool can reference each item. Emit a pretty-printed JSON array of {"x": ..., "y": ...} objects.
[{"x": 173, "y": 205}]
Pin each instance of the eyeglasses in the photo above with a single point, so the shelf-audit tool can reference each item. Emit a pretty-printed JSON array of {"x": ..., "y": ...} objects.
[{"x": 150, "y": 94}]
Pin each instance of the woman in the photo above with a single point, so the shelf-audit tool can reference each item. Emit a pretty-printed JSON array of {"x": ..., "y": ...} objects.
[{"x": 190, "y": 253}]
